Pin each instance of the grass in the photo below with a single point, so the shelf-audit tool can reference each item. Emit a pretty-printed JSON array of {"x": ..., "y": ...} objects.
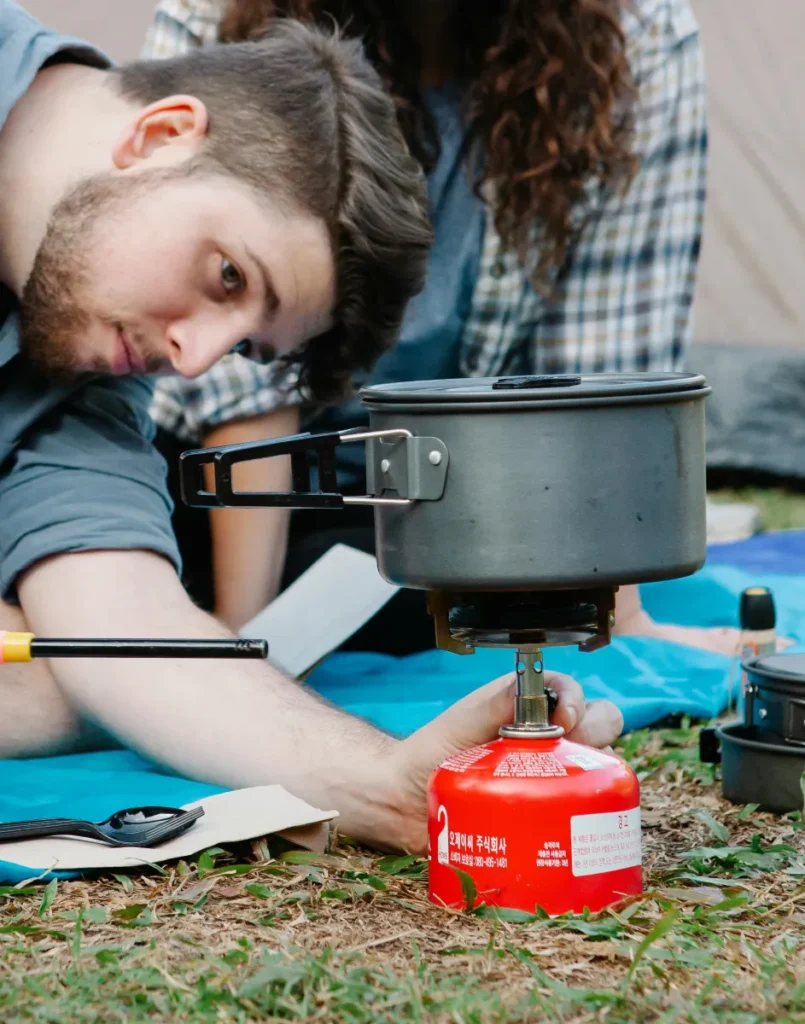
[
  {"x": 718, "y": 934},
  {"x": 779, "y": 509}
]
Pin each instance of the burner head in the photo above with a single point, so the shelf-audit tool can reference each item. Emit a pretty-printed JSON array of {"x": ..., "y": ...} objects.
[{"x": 522, "y": 619}]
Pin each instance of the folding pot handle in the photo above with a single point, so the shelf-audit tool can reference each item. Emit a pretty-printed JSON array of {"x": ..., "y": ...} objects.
[{"x": 413, "y": 468}]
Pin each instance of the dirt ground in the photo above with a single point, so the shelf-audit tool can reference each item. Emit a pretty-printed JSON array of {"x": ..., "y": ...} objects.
[{"x": 717, "y": 935}]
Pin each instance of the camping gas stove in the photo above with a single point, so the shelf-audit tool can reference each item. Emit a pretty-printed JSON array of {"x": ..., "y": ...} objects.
[{"x": 532, "y": 818}]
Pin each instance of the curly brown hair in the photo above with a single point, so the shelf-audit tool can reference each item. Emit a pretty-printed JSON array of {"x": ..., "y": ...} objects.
[{"x": 548, "y": 105}]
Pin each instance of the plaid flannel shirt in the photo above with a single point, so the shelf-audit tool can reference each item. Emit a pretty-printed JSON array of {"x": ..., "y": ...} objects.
[{"x": 621, "y": 302}]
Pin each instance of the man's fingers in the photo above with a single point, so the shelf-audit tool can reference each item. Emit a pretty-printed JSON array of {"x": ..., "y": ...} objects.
[
  {"x": 570, "y": 707},
  {"x": 597, "y": 723},
  {"x": 492, "y": 705},
  {"x": 473, "y": 720},
  {"x": 477, "y": 718},
  {"x": 601, "y": 725}
]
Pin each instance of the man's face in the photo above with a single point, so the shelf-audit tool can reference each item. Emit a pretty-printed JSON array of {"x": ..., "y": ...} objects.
[{"x": 160, "y": 270}]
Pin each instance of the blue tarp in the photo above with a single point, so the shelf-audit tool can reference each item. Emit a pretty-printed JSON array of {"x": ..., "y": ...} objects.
[{"x": 648, "y": 679}]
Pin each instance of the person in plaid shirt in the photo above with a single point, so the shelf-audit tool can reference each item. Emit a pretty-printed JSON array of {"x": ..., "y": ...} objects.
[{"x": 565, "y": 147}]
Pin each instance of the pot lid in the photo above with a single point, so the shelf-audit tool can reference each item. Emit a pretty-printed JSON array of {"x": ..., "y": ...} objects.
[
  {"x": 790, "y": 666},
  {"x": 568, "y": 389}
]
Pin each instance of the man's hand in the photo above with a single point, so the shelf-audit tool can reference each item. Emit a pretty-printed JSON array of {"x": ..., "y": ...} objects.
[{"x": 475, "y": 720}]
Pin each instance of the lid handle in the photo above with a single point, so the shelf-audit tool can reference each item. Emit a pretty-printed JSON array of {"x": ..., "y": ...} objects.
[{"x": 554, "y": 380}]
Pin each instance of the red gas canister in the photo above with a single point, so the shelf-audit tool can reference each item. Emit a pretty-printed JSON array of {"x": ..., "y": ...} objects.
[{"x": 535, "y": 822}]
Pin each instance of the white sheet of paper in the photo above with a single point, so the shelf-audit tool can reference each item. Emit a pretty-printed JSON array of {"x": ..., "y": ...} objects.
[
  {"x": 228, "y": 818},
  {"x": 320, "y": 610}
]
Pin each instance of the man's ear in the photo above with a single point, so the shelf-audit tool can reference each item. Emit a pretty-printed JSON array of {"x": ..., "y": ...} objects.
[{"x": 175, "y": 120}]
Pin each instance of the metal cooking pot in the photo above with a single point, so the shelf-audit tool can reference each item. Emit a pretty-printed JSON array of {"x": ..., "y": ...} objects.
[
  {"x": 775, "y": 697},
  {"x": 510, "y": 483},
  {"x": 762, "y": 758}
]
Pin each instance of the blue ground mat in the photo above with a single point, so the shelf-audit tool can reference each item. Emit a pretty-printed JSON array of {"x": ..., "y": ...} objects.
[{"x": 648, "y": 679}]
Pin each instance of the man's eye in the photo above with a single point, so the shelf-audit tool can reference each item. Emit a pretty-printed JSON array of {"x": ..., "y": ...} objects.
[{"x": 231, "y": 278}]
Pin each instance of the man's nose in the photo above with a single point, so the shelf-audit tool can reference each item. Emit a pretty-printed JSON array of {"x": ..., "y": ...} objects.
[{"x": 196, "y": 345}]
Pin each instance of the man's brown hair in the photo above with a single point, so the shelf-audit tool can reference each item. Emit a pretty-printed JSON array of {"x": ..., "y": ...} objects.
[{"x": 302, "y": 118}]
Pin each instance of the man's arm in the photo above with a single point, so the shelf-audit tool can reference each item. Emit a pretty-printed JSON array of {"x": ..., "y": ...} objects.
[
  {"x": 86, "y": 547},
  {"x": 233, "y": 723},
  {"x": 244, "y": 723},
  {"x": 249, "y": 544},
  {"x": 36, "y": 719}
]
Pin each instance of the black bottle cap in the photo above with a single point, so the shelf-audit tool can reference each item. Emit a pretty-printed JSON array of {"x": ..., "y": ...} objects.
[{"x": 757, "y": 609}]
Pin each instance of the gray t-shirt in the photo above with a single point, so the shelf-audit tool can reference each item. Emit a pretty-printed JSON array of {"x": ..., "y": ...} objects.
[{"x": 78, "y": 471}]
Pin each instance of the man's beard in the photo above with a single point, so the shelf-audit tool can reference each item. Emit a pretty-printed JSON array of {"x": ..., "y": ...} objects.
[{"x": 53, "y": 307}]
